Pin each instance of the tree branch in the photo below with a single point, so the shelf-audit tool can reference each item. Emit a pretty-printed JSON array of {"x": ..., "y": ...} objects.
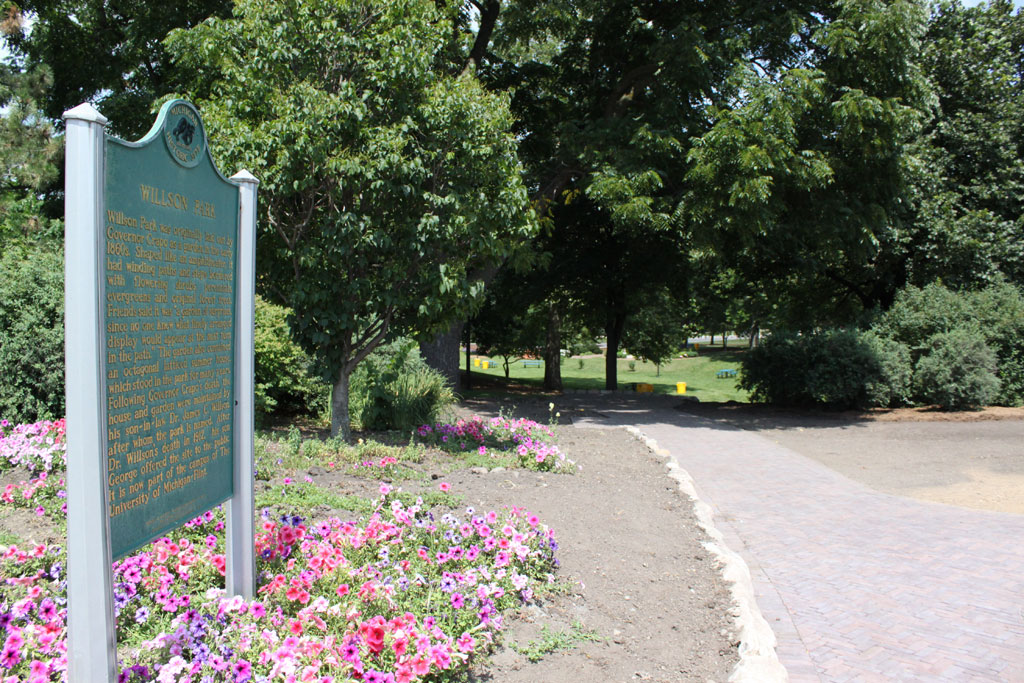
[{"x": 488, "y": 18}]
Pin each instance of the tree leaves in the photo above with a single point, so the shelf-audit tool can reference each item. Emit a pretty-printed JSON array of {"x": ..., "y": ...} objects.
[{"x": 388, "y": 186}]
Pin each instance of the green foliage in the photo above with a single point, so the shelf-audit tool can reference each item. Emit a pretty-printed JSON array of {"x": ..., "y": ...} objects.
[
  {"x": 831, "y": 368},
  {"x": 509, "y": 325},
  {"x": 284, "y": 379},
  {"x": 32, "y": 343},
  {"x": 394, "y": 389},
  {"x": 1000, "y": 314},
  {"x": 970, "y": 184},
  {"x": 29, "y": 152},
  {"x": 105, "y": 52},
  {"x": 919, "y": 314},
  {"x": 390, "y": 185},
  {"x": 891, "y": 386},
  {"x": 958, "y": 371},
  {"x": 301, "y": 495},
  {"x": 279, "y": 456},
  {"x": 555, "y": 641},
  {"x": 655, "y": 331},
  {"x": 801, "y": 184}
]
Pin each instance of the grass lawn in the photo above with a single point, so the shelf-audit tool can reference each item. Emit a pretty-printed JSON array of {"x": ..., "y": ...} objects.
[{"x": 699, "y": 373}]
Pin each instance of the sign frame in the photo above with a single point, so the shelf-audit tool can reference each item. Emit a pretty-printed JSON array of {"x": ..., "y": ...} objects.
[{"x": 92, "y": 640}]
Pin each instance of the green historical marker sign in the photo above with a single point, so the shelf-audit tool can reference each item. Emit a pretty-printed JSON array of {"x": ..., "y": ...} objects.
[{"x": 168, "y": 318}]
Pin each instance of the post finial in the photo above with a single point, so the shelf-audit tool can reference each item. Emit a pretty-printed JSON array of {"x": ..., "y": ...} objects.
[
  {"x": 86, "y": 112},
  {"x": 244, "y": 176}
]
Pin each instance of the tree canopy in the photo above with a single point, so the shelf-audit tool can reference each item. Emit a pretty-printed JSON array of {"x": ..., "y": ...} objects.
[
  {"x": 391, "y": 184},
  {"x": 793, "y": 164}
]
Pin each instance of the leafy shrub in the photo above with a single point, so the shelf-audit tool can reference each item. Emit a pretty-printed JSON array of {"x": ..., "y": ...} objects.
[
  {"x": 284, "y": 380},
  {"x": 958, "y": 371},
  {"x": 999, "y": 310},
  {"x": 919, "y": 313},
  {"x": 835, "y": 368},
  {"x": 32, "y": 342},
  {"x": 393, "y": 388},
  {"x": 892, "y": 384},
  {"x": 996, "y": 312}
]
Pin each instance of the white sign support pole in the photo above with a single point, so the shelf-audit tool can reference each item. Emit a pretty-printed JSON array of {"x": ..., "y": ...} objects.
[
  {"x": 92, "y": 639},
  {"x": 241, "y": 560}
]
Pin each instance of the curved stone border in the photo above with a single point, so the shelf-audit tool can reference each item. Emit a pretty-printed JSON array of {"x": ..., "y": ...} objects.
[{"x": 759, "y": 662}]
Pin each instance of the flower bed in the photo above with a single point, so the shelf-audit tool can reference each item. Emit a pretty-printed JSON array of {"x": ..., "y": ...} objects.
[
  {"x": 531, "y": 441},
  {"x": 399, "y": 596},
  {"x": 39, "y": 451}
]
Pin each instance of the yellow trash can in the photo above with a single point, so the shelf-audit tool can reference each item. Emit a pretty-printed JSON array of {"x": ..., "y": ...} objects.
[
  {"x": 680, "y": 387},
  {"x": 476, "y": 362},
  {"x": 485, "y": 364}
]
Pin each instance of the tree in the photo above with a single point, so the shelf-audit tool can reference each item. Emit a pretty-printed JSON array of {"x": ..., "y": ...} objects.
[
  {"x": 109, "y": 53},
  {"x": 803, "y": 183},
  {"x": 970, "y": 184},
  {"x": 386, "y": 182},
  {"x": 29, "y": 156},
  {"x": 656, "y": 331},
  {"x": 510, "y": 332},
  {"x": 608, "y": 95}
]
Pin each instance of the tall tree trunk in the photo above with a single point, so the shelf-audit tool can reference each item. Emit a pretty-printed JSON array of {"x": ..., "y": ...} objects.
[
  {"x": 468, "y": 378},
  {"x": 442, "y": 353},
  {"x": 755, "y": 335},
  {"x": 613, "y": 334},
  {"x": 340, "y": 423},
  {"x": 553, "y": 351},
  {"x": 725, "y": 340}
]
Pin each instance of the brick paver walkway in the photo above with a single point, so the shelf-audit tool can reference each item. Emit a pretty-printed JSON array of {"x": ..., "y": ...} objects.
[{"x": 858, "y": 585}]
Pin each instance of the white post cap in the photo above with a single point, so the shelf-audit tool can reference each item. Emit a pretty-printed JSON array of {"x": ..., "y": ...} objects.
[{"x": 86, "y": 112}]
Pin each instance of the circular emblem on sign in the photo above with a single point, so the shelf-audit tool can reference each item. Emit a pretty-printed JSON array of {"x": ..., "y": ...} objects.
[{"x": 184, "y": 134}]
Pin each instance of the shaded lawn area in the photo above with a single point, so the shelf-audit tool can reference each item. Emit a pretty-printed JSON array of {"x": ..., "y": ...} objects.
[{"x": 699, "y": 373}]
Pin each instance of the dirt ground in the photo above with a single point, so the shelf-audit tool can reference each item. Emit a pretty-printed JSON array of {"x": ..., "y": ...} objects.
[
  {"x": 641, "y": 584},
  {"x": 971, "y": 459}
]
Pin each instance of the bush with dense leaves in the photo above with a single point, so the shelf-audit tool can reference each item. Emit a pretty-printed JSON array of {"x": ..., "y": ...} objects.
[
  {"x": 283, "y": 371},
  {"x": 996, "y": 313},
  {"x": 32, "y": 341},
  {"x": 834, "y": 368},
  {"x": 891, "y": 385},
  {"x": 958, "y": 371},
  {"x": 393, "y": 388},
  {"x": 919, "y": 313},
  {"x": 1000, "y": 316}
]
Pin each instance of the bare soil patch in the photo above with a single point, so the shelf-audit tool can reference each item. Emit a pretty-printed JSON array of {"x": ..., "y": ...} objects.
[
  {"x": 972, "y": 459},
  {"x": 22, "y": 522},
  {"x": 639, "y": 578}
]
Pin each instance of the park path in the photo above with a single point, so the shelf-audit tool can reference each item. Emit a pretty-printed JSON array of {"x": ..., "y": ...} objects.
[{"x": 858, "y": 585}]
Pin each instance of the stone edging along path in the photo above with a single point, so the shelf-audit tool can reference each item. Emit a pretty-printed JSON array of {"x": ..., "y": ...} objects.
[{"x": 759, "y": 662}]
